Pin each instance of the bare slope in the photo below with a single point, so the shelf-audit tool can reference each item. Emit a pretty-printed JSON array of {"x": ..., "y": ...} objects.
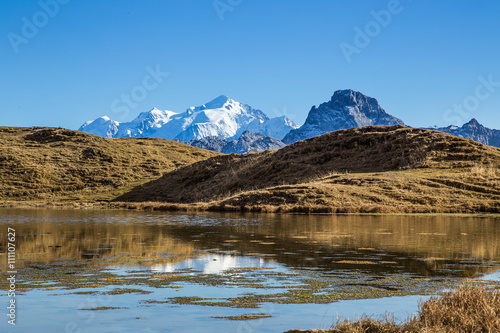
[
  {"x": 55, "y": 163},
  {"x": 370, "y": 169}
]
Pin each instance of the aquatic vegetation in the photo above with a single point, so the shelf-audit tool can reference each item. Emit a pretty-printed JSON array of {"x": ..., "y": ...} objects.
[
  {"x": 245, "y": 317},
  {"x": 269, "y": 285},
  {"x": 120, "y": 291},
  {"x": 102, "y": 308}
]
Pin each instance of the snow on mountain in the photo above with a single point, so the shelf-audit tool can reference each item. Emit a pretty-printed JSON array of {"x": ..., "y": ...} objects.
[
  {"x": 102, "y": 126},
  {"x": 144, "y": 124},
  {"x": 276, "y": 127},
  {"x": 346, "y": 109},
  {"x": 221, "y": 117},
  {"x": 475, "y": 131}
]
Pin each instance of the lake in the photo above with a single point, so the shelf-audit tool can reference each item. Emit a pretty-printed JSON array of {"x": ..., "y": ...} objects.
[{"x": 132, "y": 271}]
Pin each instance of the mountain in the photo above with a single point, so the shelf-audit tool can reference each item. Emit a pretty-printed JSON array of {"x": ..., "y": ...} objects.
[
  {"x": 146, "y": 123},
  {"x": 247, "y": 142},
  {"x": 475, "y": 131},
  {"x": 102, "y": 126},
  {"x": 374, "y": 169},
  {"x": 221, "y": 117},
  {"x": 346, "y": 109},
  {"x": 227, "y": 120},
  {"x": 277, "y": 127},
  {"x": 143, "y": 125}
]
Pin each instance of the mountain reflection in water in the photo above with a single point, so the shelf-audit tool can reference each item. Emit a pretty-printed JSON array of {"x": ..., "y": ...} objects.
[
  {"x": 214, "y": 264},
  {"x": 426, "y": 245}
]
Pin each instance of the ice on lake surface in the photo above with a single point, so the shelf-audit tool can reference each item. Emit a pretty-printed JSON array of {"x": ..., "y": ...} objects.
[{"x": 129, "y": 271}]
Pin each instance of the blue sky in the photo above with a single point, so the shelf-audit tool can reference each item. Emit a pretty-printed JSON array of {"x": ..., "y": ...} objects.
[{"x": 427, "y": 62}]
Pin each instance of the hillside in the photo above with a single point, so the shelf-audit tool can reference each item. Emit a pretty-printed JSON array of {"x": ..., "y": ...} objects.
[
  {"x": 57, "y": 164},
  {"x": 372, "y": 169}
]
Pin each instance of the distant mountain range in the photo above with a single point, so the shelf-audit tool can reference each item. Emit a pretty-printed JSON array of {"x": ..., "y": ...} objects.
[
  {"x": 221, "y": 117},
  {"x": 227, "y": 126},
  {"x": 475, "y": 131}
]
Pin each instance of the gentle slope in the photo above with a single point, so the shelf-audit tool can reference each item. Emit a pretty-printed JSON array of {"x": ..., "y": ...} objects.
[
  {"x": 373, "y": 169},
  {"x": 58, "y": 164}
]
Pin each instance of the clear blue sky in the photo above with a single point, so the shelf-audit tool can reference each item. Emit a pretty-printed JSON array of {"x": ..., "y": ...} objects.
[{"x": 280, "y": 56}]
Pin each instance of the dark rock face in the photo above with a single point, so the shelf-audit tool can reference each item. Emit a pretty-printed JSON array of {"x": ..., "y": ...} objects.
[
  {"x": 213, "y": 143},
  {"x": 246, "y": 143},
  {"x": 475, "y": 131},
  {"x": 346, "y": 109}
]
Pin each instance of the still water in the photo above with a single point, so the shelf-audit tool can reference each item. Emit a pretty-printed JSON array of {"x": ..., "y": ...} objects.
[{"x": 129, "y": 271}]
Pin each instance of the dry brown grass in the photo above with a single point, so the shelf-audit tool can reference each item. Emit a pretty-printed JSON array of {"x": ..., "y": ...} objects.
[
  {"x": 368, "y": 325},
  {"x": 369, "y": 170},
  {"x": 468, "y": 309},
  {"x": 55, "y": 164}
]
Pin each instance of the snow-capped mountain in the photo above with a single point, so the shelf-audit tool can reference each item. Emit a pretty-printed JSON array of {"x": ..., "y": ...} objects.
[
  {"x": 277, "y": 127},
  {"x": 146, "y": 123},
  {"x": 247, "y": 142},
  {"x": 475, "y": 131},
  {"x": 102, "y": 126},
  {"x": 219, "y": 124},
  {"x": 346, "y": 109},
  {"x": 222, "y": 117}
]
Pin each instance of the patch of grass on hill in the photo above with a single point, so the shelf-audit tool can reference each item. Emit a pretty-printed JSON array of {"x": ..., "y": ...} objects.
[{"x": 56, "y": 164}]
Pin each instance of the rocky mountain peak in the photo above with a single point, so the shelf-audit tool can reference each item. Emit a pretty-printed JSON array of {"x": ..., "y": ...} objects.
[
  {"x": 475, "y": 131},
  {"x": 473, "y": 123},
  {"x": 346, "y": 109},
  {"x": 349, "y": 97}
]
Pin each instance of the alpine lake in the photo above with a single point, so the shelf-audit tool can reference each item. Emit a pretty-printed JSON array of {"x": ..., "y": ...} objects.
[{"x": 135, "y": 271}]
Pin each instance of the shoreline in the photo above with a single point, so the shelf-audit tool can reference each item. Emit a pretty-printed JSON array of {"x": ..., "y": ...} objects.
[{"x": 224, "y": 208}]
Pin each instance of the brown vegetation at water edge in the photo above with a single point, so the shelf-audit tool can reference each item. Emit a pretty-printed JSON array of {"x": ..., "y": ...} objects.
[{"x": 468, "y": 309}]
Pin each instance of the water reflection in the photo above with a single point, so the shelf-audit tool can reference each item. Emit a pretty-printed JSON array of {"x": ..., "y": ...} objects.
[
  {"x": 158, "y": 268},
  {"x": 214, "y": 264},
  {"x": 429, "y": 246}
]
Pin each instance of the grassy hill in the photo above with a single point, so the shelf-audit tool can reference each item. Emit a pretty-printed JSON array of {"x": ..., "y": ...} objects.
[
  {"x": 56, "y": 164},
  {"x": 373, "y": 169}
]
